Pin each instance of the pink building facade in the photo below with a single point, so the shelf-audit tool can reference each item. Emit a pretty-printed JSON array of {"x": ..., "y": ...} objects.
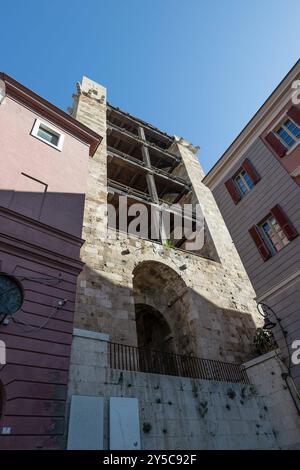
[
  {"x": 256, "y": 186},
  {"x": 44, "y": 157},
  {"x": 287, "y": 153}
]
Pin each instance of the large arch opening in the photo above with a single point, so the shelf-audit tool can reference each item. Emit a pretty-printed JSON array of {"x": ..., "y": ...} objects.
[
  {"x": 153, "y": 331},
  {"x": 162, "y": 307}
]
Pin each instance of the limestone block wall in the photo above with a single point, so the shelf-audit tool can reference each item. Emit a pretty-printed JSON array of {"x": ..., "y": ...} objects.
[
  {"x": 218, "y": 317},
  {"x": 222, "y": 316},
  {"x": 283, "y": 400},
  {"x": 182, "y": 413}
]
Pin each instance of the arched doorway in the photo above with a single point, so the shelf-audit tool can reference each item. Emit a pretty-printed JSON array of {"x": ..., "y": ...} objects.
[
  {"x": 162, "y": 306},
  {"x": 153, "y": 331}
]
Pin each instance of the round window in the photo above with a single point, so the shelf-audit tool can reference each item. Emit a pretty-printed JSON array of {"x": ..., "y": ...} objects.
[{"x": 11, "y": 295}]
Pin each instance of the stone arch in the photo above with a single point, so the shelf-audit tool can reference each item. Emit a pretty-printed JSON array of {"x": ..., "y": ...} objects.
[
  {"x": 161, "y": 293},
  {"x": 153, "y": 331}
]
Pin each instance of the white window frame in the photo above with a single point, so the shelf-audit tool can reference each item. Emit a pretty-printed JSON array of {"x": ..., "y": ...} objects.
[
  {"x": 269, "y": 242},
  {"x": 281, "y": 124},
  {"x": 239, "y": 174},
  {"x": 48, "y": 127}
]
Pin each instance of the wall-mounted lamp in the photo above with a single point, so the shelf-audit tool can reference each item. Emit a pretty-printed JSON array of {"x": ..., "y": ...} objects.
[{"x": 268, "y": 324}]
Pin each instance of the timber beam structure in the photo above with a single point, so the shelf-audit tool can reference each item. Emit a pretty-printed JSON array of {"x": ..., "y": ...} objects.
[
  {"x": 121, "y": 130},
  {"x": 111, "y": 152},
  {"x": 134, "y": 121},
  {"x": 140, "y": 167}
]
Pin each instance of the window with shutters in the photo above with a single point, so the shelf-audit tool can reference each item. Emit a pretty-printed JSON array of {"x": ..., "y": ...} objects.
[
  {"x": 273, "y": 234},
  {"x": 288, "y": 133},
  {"x": 243, "y": 182}
]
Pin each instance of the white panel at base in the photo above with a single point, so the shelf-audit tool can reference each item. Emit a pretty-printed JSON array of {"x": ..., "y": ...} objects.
[
  {"x": 124, "y": 424},
  {"x": 86, "y": 423}
]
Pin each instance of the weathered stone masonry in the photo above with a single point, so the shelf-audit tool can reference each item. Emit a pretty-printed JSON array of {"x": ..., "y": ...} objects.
[
  {"x": 139, "y": 292},
  {"x": 216, "y": 315}
]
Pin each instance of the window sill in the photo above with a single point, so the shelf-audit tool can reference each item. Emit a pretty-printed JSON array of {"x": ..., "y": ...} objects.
[
  {"x": 278, "y": 252},
  {"x": 50, "y": 128},
  {"x": 292, "y": 149},
  {"x": 46, "y": 142},
  {"x": 247, "y": 194}
]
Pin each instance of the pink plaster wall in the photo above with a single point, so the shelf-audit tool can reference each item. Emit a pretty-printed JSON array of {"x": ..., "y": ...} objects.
[
  {"x": 64, "y": 172},
  {"x": 47, "y": 264},
  {"x": 36, "y": 374}
]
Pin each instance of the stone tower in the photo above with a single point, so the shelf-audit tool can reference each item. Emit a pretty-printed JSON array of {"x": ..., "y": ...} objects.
[
  {"x": 161, "y": 329},
  {"x": 142, "y": 291}
]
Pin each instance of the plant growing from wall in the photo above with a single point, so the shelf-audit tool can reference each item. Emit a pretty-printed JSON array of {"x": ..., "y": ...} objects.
[
  {"x": 168, "y": 244},
  {"x": 263, "y": 341}
]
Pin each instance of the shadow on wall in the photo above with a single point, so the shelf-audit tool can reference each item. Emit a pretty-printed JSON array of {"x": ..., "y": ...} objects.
[
  {"x": 160, "y": 311},
  {"x": 63, "y": 211},
  {"x": 107, "y": 301}
]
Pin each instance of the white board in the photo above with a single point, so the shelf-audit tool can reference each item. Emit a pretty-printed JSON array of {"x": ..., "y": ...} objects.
[
  {"x": 124, "y": 424},
  {"x": 86, "y": 423}
]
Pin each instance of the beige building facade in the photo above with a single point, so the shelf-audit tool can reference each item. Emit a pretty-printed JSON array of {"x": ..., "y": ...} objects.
[{"x": 263, "y": 215}]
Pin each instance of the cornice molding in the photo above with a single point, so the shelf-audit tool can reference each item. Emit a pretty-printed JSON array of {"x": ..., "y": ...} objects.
[
  {"x": 33, "y": 223},
  {"x": 278, "y": 288},
  {"x": 37, "y": 253}
]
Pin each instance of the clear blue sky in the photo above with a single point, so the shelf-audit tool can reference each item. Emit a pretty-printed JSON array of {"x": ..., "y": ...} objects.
[{"x": 199, "y": 69}]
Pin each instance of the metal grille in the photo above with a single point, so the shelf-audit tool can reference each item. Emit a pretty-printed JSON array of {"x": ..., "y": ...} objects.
[{"x": 131, "y": 358}]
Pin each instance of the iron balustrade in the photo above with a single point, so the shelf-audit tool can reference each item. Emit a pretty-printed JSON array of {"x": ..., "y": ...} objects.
[{"x": 124, "y": 357}]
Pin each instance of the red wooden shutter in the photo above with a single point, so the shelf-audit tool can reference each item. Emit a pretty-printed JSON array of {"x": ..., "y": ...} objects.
[
  {"x": 233, "y": 191},
  {"x": 260, "y": 243},
  {"x": 276, "y": 145},
  {"x": 294, "y": 114},
  {"x": 284, "y": 222},
  {"x": 249, "y": 168}
]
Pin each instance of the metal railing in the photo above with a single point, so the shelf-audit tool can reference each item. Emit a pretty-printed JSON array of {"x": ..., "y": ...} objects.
[{"x": 124, "y": 357}]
